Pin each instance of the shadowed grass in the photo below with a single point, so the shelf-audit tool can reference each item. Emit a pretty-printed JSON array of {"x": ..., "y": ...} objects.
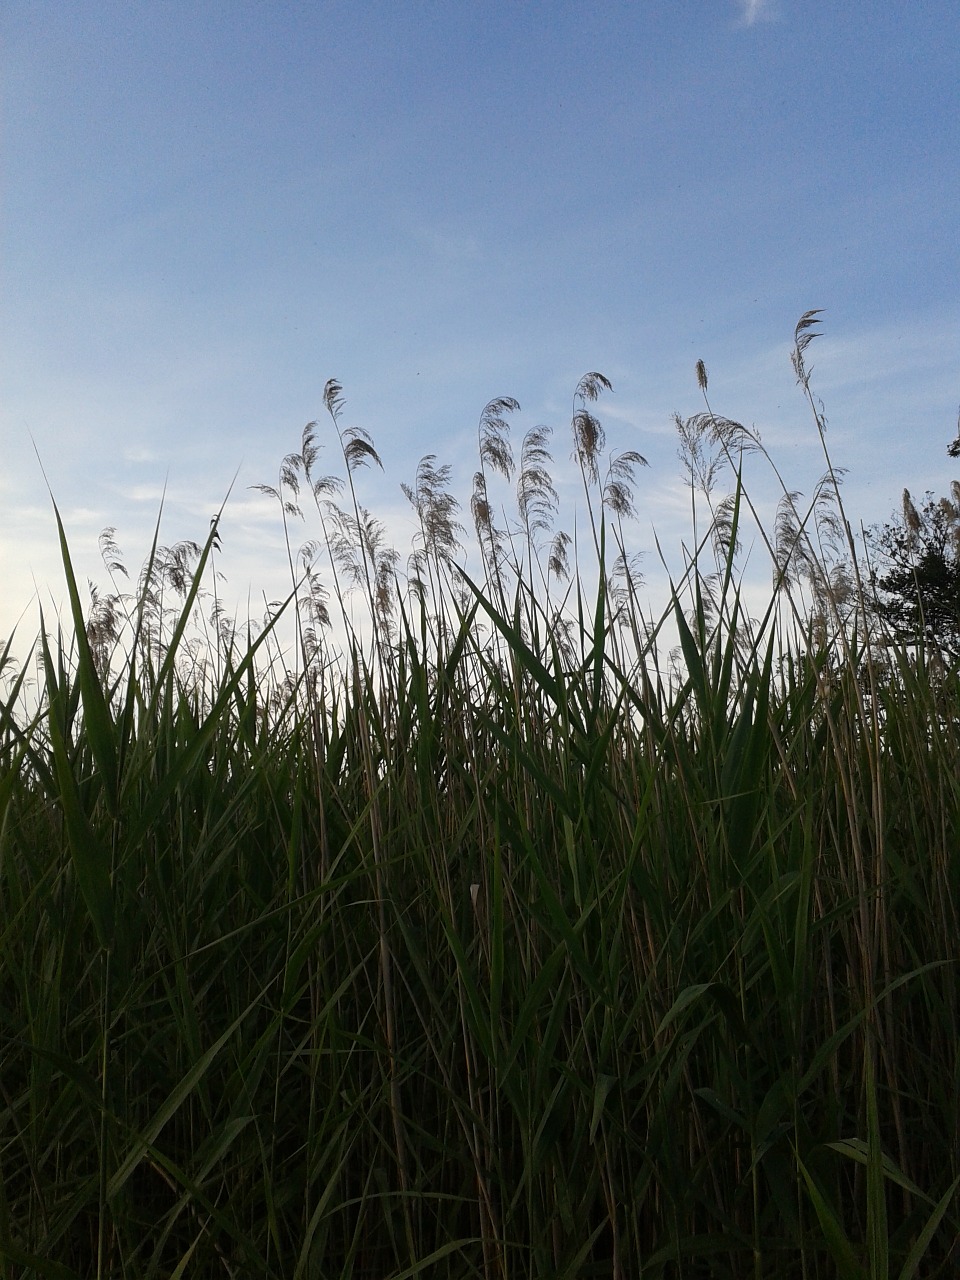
[{"x": 490, "y": 950}]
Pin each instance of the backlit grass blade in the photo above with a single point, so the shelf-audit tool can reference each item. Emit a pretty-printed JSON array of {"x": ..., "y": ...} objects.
[
  {"x": 91, "y": 857},
  {"x": 925, "y": 1238},
  {"x": 98, "y": 724},
  {"x": 184, "y": 1088},
  {"x": 841, "y": 1250}
]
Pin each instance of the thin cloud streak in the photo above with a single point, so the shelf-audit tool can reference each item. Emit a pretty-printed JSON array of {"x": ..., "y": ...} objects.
[{"x": 754, "y": 11}]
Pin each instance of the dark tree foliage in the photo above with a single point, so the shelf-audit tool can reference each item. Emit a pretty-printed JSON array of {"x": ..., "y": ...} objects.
[{"x": 916, "y": 575}]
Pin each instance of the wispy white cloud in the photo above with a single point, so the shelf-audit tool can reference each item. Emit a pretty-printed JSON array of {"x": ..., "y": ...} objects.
[{"x": 754, "y": 11}]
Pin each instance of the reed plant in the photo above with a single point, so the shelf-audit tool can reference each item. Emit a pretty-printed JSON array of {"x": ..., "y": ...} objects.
[{"x": 470, "y": 934}]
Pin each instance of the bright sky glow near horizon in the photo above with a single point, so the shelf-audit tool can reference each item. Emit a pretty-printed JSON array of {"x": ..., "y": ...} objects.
[{"x": 210, "y": 209}]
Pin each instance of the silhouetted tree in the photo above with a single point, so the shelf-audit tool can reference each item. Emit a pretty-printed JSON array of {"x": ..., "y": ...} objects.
[{"x": 916, "y": 574}]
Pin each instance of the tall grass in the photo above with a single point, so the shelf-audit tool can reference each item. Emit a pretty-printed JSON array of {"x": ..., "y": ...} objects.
[{"x": 485, "y": 946}]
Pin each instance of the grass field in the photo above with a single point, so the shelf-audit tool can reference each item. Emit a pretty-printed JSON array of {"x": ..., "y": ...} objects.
[{"x": 486, "y": 942}]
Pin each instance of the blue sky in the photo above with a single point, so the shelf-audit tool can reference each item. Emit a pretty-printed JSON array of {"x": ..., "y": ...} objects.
[{"x": 210, "y": 209}]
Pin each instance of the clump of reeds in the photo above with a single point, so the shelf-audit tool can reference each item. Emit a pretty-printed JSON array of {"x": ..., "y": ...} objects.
[{"x": 465, "y": 941}]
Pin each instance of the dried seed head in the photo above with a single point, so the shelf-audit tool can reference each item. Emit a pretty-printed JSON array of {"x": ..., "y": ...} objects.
[
  {"x": 333, "y": 397},
  {"x": 537, "y": 499},
  {"x": 590, "y": 386},
  {"x": 589, "y": 439},
  {"x": 559, "y": 559},
  {"x": 701, "y": 375},
  {"x": 805, "y": 332},
  {"x": 494, "y": 435},
  {"x": 911, "y": 517}
]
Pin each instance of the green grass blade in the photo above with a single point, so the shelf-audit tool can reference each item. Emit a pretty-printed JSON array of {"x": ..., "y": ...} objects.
[{"x": 840, "y": 1247}]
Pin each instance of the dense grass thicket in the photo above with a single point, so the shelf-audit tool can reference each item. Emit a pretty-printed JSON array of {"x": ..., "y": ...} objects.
[{"x": 480, "y": 943}]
